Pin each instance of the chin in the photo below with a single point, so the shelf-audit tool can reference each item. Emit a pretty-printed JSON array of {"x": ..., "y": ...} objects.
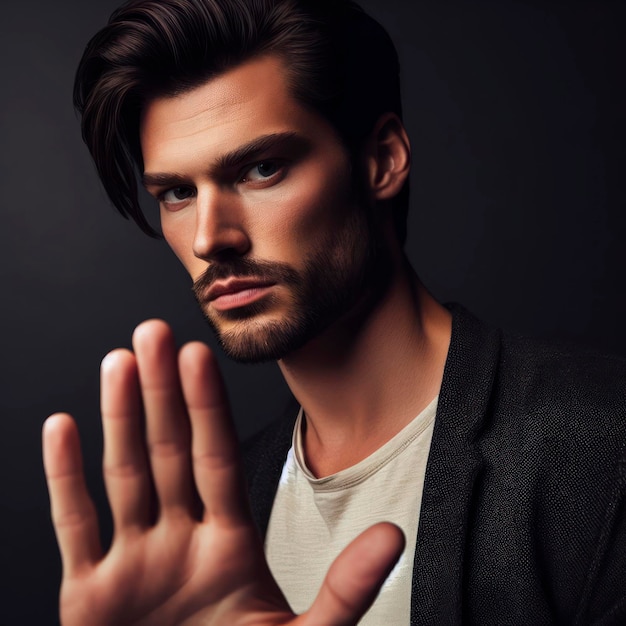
[
  {"x": 260, "y": 342},
  {"x": 258, "y": 333}
]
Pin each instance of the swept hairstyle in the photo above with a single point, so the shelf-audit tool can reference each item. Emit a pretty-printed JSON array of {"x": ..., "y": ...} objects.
[{"x": 340, "y": 62}]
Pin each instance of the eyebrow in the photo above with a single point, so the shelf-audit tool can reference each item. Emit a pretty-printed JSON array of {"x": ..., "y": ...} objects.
[{"x": 244, "y": 154}]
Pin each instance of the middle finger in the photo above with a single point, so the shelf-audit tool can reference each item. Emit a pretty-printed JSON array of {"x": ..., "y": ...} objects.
[{"x": 167, "y": 423}]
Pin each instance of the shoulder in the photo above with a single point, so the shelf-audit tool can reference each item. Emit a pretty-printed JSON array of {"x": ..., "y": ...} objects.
[
  {"x": 546, "y": 423},
  {"x": 551, "y": 435},
  {"x": 525, "y": 379},
  {"x": 561, "y": 389},
  {"x": 560, "y": 414},
  {"x": 540, "y": 364},
  {"x": 545, "y": 428}
]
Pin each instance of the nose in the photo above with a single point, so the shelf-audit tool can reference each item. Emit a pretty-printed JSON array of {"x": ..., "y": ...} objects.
[{"x": 219, "y": 226}]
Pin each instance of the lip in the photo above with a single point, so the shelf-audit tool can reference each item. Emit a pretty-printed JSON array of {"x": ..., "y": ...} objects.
[{"x": 237, "y": 292}]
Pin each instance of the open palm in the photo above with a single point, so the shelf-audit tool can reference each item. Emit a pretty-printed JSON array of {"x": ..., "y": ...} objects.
[{"x": 184, "y": 550}]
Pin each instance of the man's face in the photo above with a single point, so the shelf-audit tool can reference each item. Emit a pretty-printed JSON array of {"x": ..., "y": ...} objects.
[{"x": 256, "y": 200}]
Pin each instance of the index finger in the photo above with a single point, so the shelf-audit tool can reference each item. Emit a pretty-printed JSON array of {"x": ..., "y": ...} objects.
[{"x": 215, "y": 450}]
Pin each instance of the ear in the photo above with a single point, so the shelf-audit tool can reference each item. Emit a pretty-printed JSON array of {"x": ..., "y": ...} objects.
[{"x": 388, "y": 157}]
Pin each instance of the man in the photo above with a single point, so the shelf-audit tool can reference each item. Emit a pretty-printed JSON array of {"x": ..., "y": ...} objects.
[{"x": 270, "y": 133}]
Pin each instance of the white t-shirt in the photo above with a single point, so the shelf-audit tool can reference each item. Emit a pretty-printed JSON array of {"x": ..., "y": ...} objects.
[{"x": 313, "y": 519}]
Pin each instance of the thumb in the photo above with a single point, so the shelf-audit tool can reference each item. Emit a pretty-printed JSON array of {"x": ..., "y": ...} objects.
[{"x": 356, "y": 576}]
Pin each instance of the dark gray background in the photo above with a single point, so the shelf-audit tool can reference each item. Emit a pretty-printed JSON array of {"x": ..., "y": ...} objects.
[{"x": 515, "y": 112}]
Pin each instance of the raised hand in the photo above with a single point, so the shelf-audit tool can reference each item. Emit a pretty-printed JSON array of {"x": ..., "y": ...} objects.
[{"x": 172, "y": 560}]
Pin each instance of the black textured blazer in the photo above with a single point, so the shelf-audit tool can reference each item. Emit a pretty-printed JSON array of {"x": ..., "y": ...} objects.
[{"x": 523, "y": 517}]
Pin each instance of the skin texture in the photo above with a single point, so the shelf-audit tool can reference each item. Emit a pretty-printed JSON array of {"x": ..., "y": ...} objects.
[
  {"x": 182, "y": 568},
  {"x": 218, "y": 217},
  {"x": 184, "y": 549},
  {"x": 287, "y": 207}
]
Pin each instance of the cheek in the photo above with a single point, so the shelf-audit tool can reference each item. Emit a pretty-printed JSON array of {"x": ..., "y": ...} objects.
[
  {"x": 302, "y": 210},
  {"x": 180, "y": 242},
  {"x": 173, "y": 236}
]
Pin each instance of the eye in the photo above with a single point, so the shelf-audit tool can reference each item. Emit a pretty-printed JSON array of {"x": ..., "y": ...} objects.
[
  {"x": 176, "y": 195},
  {"x": 263, "y": 171}
]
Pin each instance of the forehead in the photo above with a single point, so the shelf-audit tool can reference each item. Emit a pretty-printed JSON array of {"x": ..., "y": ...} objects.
[{"x": 231, "y": 109}]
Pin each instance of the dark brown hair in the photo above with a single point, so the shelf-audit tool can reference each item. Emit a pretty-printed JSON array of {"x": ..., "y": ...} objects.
[{"x": 340, "y": 62}]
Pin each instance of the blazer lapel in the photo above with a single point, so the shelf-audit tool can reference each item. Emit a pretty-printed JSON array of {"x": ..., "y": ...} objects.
[{"x": 453, "y": 465}]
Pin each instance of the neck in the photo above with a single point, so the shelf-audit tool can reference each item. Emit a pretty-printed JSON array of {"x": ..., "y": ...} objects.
[{"x": 367, "y": 377}]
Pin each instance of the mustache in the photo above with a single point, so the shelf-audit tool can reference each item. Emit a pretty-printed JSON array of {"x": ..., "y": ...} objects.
[{"x": 236, "y": 267}]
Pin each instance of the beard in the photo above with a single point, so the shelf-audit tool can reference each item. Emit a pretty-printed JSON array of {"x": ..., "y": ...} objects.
[{"x": 348, "y": 269}]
